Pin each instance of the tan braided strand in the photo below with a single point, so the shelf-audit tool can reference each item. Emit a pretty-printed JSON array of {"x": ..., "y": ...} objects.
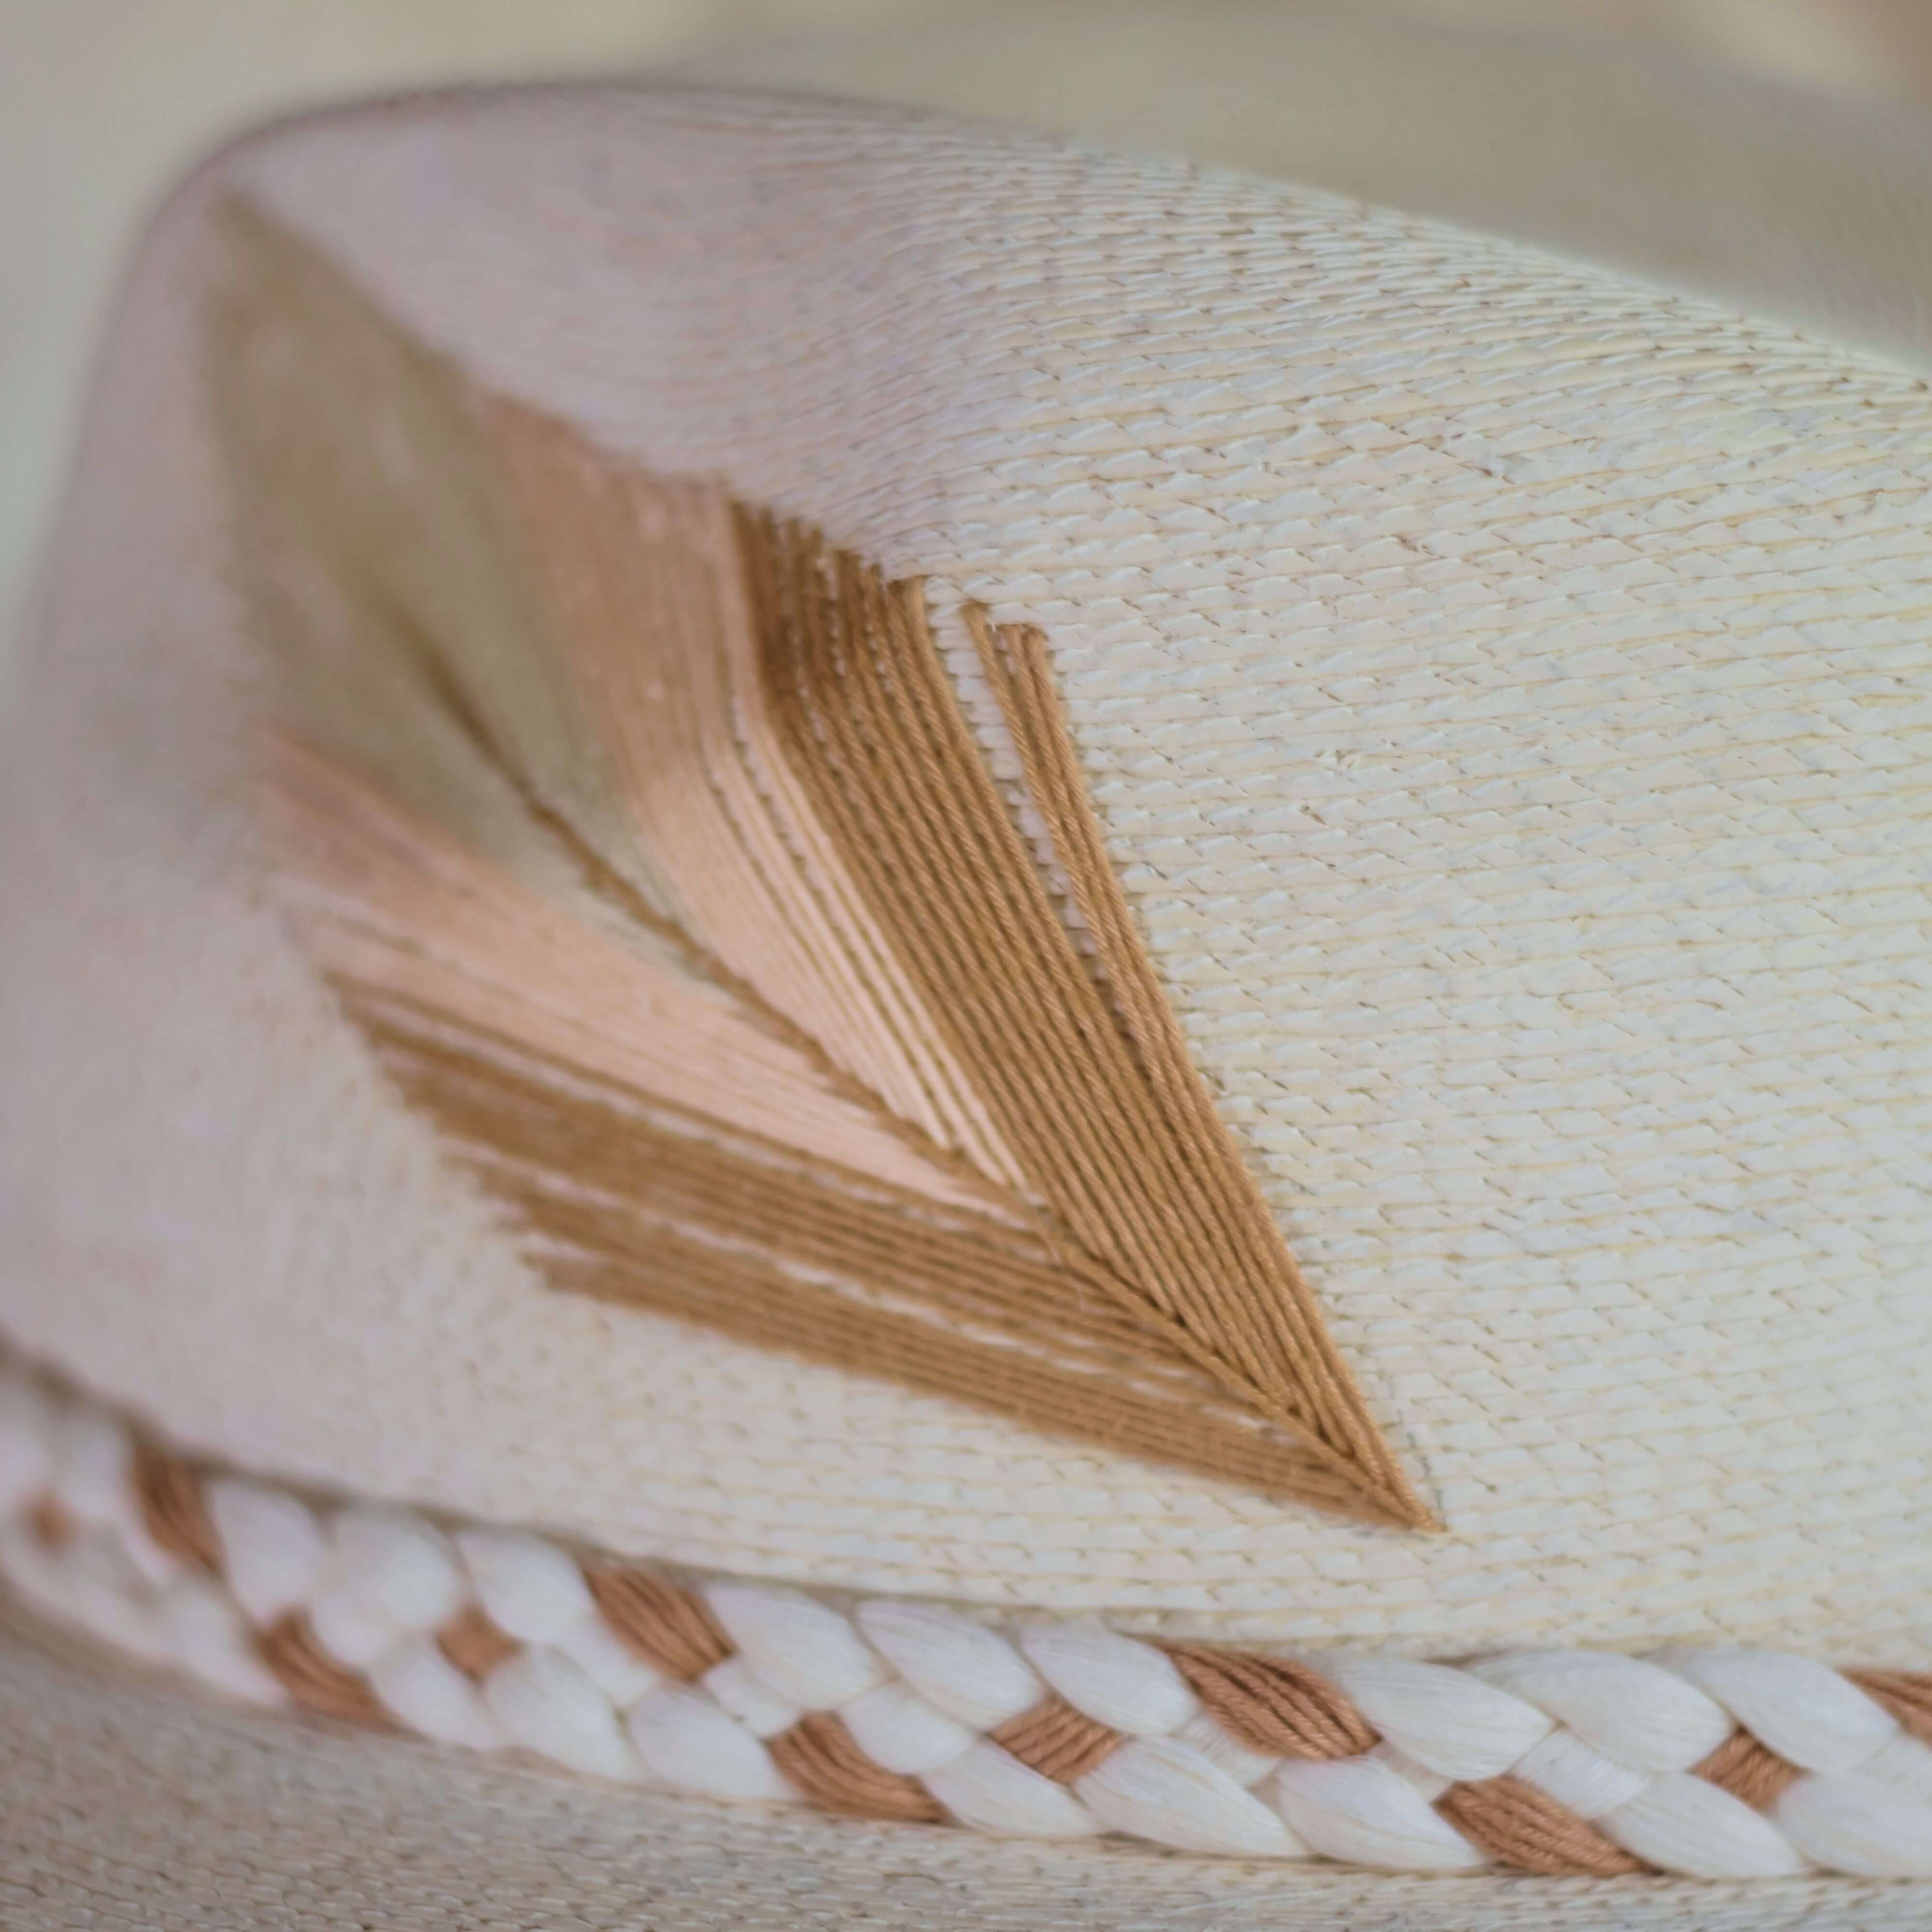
[
  {"x": 818, "y": 1755},
  {"x": 473, "y": 1643},
  {"x": 1272, "y": 1704},
  {"x": 313, "y": 1678},
  {"x": 1907, "y": 1695},
  {"x": 1526, "y": 1830},
  {"x": 1057, "y": 1741}
]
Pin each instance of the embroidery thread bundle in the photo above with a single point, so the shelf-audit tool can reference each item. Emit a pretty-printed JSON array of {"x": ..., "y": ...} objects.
[{"x": 648, "y": 842}]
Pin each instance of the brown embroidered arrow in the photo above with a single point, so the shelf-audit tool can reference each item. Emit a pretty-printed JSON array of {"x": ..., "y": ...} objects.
[{"x": 650, "y": 843}]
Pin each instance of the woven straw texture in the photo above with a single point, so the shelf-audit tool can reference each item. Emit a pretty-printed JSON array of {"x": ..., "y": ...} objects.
[
  {"x": 129, "y": 1801},
  {"x": 1778, "y": 202},
  {"x": 1499, "y": 681}
]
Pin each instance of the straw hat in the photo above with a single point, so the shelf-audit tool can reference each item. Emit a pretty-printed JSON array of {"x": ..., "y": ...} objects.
[{"x": 890, "y": 1006}]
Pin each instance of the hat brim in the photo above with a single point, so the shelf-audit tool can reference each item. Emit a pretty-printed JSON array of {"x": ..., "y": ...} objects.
[{"x": 130, "y": 1799}]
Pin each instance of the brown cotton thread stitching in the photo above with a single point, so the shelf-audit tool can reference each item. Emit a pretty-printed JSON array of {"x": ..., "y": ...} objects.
[
  {"x": 313, "y": 1678},
  {"x": 609, "y": 882},
  {"x": 458, "y": 721},
  {"x": 1016, "y": 661},
  {"x": 1272, "y": 1704},
  {"x": 879, "y": 736},
  {"x": 485, "y": 1087},
  {"x": 672, "y": 1630},
  {"x": 472, "y": 1641},
  {"x": 818, "y": 1754},
  {"x": 690, "y": 743},
  {"x": 629, "y": 1261},
  {"x": 1750, "y": 1770},
  {"x": 1906, "y": 1694},
  {"x": 964, "y": 1311},
  {"x": 895, "y": 782},
  {"x": 707, "y": 737},
  {"x": 919, "y": 813},
  {"x": 383, "y": 896},
  {"x": 988, "y": 1277},
  {"x": 1518, "y": 1826},
  {"x": 699, "y": 1283},
  {"x": 1058, "y": 788},
  {"x": 1164, "y": 1244},
  {"x": 1057, "y": 1741},
  {"x": 769, "y": 1019},
  {"x": 173, "y": 1507}
]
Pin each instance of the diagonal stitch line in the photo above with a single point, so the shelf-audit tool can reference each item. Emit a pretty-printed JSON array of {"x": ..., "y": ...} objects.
[
  {"x": 619, "y": 551},
  {"x": 849, "y": 702},
  {"x": 630, "y": 1248},
  {"x": 916, "y": 787},
  {"x": 1176, "y": 1235},
  {"x": 1030, "y": 702},
  {"x": 1068, "y": 816},
  {"x": 997, "y": 1268},
  {"x": 380, "y": 870},
  {"x": 826, "y": 871},
  {"x": 780, "y": 791},
  {"x": 930, "y": 933},
  {"x": 619, "y": 1260},
  {"x": 928, "y": 929},
  {"x": 625, "y": 1245},
  {"x": 1014, "y": 658}
]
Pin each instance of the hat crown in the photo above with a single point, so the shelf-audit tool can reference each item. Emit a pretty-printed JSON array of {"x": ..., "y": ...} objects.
[{"x": 1493, "y": 682}]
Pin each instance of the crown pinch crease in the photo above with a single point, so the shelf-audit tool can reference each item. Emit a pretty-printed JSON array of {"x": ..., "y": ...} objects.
[{"x": 647, "y": 840}]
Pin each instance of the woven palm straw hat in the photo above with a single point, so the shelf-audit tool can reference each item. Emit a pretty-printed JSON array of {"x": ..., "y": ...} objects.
[{"x": 917, "y": 1014}]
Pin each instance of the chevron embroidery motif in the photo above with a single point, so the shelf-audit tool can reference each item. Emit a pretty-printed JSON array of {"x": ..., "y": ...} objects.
[{"x": 650, "y": 843}]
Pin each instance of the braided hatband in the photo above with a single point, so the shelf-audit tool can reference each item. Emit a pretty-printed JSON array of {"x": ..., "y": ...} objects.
[{"x": 1708, "y": 1763}]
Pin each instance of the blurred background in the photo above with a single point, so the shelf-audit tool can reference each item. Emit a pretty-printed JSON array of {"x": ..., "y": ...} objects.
[{"x": 103, "y": 101}]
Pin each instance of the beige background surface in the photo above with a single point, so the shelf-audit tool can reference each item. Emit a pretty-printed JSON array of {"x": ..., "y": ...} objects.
[{"x": 103, "y": 101}]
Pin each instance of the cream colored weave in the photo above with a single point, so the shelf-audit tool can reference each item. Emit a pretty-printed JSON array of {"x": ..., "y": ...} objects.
[{"x": 1502, "y": 686}]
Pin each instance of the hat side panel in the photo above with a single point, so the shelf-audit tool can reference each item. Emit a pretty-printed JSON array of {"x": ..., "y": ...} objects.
[{"x": 1487, "y": 672}]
